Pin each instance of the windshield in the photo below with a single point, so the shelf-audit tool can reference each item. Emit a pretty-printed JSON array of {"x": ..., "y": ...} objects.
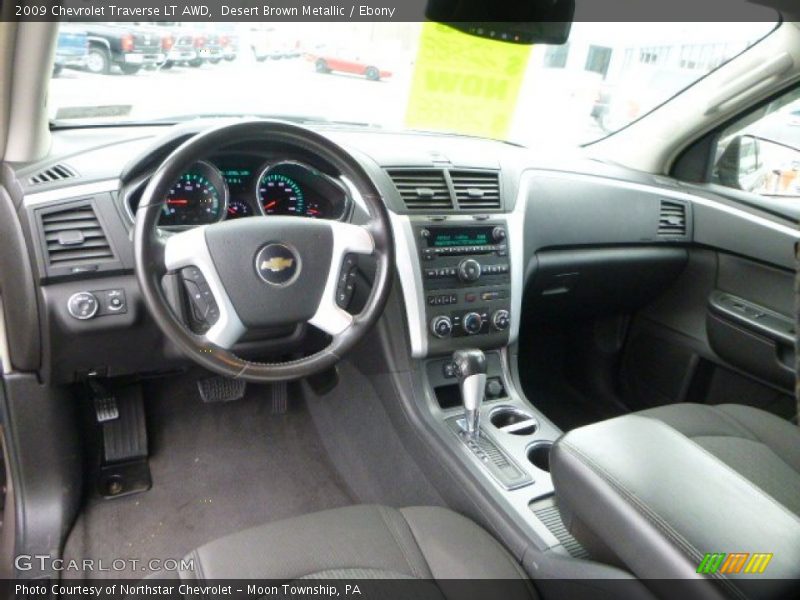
[{"x": 418, "y": 76}]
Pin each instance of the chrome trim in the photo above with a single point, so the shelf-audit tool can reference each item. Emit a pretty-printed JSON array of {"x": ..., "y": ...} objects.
[
  {"x": 189, "y": 248},
  {"x": 5, "y": 353},
  {"x": 70, "y": 192},
  {"x": 515, "y": 226},
  {"x": 347, "y": 238},
  {"x": 410, "y": 274}
]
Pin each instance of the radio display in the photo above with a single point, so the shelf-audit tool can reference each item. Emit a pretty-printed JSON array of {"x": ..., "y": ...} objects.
[{"x": 459, "y": 236}]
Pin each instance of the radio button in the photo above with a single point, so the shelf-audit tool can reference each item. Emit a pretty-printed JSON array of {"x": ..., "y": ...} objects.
[{"x": 469, "y": 270}]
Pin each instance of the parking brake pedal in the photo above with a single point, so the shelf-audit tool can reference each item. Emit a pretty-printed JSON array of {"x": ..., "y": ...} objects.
[
  {"x": 123, "y": 466},
  {"x": 221, "y": 389}
]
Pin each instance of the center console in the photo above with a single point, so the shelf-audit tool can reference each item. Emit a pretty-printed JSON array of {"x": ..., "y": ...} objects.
[
  {"x": 466, "y": 278},
  {"x": 462, "y": 280}
]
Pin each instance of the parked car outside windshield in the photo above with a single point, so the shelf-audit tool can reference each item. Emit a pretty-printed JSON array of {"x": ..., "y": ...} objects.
[{"x": 420, "y": 76}]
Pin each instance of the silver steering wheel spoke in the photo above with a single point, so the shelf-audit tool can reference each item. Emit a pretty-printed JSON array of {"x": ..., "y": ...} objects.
[
  {"x": 190, "y": 249},
  {"x": 347, "y": 239}
]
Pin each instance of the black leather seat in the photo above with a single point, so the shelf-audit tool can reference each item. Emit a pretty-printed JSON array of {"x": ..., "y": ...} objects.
[{"x": 364, "y": 542}]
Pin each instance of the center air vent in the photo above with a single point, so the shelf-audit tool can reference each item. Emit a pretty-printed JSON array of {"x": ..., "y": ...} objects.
[
  {"x": 422, "y": 189},
  {"x": 672, "y": 219},
  {"x": 74, "y": 236},
  {"x": 52, "y": 174},
  {"x": 476, "y": 190}
]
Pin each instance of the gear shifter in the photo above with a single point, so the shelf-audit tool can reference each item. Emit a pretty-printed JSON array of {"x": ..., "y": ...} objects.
[{"x": 471, "y": 370}]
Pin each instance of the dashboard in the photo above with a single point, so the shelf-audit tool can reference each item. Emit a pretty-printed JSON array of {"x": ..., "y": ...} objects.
[
  {"x": 447, "y": 197},
  {"x": 235, "y": 186}
]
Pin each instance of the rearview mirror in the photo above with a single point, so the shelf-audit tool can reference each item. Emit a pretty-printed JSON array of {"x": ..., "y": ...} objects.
[{"x": 521, "y": 22}]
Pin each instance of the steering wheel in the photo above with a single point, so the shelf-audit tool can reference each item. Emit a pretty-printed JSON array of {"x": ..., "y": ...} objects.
[{"x": 265, "y": 271}]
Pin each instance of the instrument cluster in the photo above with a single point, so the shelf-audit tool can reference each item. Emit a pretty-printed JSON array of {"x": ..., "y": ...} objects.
[{"x": 234, "y": 187}]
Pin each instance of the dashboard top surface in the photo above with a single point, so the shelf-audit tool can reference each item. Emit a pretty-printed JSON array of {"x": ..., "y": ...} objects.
[{"x": 102, "y": 153}]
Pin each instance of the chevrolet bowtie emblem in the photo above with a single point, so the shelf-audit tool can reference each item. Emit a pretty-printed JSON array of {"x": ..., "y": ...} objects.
[{"x": 276, "y": 264}]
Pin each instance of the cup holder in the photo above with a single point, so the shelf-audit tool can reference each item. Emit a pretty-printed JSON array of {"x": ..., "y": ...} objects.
[
  {"x": 539, "y": 456},
  {"x": 513, "y": 421}
]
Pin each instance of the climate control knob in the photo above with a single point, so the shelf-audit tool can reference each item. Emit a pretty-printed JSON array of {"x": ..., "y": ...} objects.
[
  {"x": 441, "y": 327},
  {"x": 83, "y": 305},
  {"x": 469, "y": 270},
  {"x": 472, "y": 323},
  {"x": 501, "y": 320}
]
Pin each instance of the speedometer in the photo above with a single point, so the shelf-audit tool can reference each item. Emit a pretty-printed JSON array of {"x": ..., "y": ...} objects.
[
  {"x": 287, "y": 188},
  {"x": 280, "y": 195},
  {"x": 199, "y": 197}
]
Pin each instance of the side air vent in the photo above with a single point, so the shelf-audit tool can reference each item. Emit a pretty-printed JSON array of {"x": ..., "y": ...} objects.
[
  {"x": 672, "y": 219},
  {"x": 422, "y": 189},
  {"x": 74, "y": 236},
  {"x": 55, "y": 173},
  {"x": 476, "y": 190}
]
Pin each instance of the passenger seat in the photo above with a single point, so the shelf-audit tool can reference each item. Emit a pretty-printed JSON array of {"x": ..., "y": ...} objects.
[{"x": 758, "y": 445}]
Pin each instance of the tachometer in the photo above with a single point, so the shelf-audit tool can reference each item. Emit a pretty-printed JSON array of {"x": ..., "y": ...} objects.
[{"x": 199, "y": 197}]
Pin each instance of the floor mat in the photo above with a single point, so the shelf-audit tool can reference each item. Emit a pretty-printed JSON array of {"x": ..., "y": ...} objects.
[{"x": 217, "y": 469}]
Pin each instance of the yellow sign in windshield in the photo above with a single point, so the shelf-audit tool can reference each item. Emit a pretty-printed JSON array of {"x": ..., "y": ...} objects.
[{"x": 465, "y": 84}]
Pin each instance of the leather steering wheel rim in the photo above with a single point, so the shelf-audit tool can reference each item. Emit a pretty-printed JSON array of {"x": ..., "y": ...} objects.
[{"x": 150, "y": 247}]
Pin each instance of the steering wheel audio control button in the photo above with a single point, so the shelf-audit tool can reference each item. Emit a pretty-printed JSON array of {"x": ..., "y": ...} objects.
[
  {"x": 83, "y": 305},
  {"x": 347, "y": 281},
  {"x": 205, "y": 311}
]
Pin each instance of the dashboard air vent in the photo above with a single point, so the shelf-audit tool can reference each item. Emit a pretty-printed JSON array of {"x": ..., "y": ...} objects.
[
  {"x": 55, "y": 173},
  {"x": 672, "y": 219},
  {"x": 74, "y": 236},
  {"x": 476, "y": 190},
  {"x": 422, "y": 189}
]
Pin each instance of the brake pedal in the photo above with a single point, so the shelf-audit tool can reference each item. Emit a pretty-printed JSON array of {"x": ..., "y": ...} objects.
[{"x": 221, "y": 389}]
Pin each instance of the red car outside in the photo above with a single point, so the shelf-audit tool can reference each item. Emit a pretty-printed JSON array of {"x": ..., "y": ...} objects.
[{"x": 335, "y": 61}]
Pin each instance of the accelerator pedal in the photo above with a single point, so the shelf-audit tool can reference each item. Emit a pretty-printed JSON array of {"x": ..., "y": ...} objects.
[
  {"x": 280, "y": 397},
  {"x": 221, "y": 389}
]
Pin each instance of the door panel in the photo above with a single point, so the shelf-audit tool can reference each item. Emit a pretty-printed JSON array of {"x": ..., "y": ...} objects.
[{"x": 723, "y": 333}]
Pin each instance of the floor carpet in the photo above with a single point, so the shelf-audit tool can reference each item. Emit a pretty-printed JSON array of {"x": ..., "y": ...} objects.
[{"x": 216, "y": 469}]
